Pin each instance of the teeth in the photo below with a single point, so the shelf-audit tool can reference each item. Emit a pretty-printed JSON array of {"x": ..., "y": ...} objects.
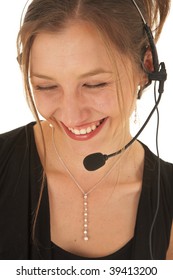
[
  {"x": 84, "y": 131},
  {"x": 75, "y": 131},
  {"x": 89, "y": 129},
  {"x": 93, "y": 127}
]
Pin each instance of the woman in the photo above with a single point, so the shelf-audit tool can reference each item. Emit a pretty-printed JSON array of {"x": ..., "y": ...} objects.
[{"x": 84, "y": 65}]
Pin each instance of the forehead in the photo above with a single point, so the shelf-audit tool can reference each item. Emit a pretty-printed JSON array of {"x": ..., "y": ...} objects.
[
  {"x": 74, "y": 44},
  {"x": 76, "y": 50}
]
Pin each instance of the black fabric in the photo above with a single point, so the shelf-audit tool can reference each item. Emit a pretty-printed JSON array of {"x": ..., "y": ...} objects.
[
  {"x": 20, "y": 181},
  {"x": 123, "y": 254}
]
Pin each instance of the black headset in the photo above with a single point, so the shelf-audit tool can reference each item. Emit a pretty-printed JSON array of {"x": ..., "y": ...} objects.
[
  {"x": 159, "y": 74},
  {"x": 94, "y": 161},
  {"x": 97, "y": 160}
]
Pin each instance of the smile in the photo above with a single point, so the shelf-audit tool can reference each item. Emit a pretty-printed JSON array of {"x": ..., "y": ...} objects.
[
  {"x": 82, "y": 134},
  {"x": 87, "y": 130}
]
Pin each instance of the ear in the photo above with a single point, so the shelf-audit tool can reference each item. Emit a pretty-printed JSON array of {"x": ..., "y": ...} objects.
[
  {"x": 147, "y": 66},
  {"x": 148, "y": 61}
]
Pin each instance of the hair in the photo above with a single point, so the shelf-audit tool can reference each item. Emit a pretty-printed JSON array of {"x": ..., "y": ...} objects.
[{"x": 117, "y": 21}]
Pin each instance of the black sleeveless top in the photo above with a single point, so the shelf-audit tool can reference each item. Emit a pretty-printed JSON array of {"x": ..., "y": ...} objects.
[
  {"x": 122, "y": 254},
  {"x": 20, "y": 180}
]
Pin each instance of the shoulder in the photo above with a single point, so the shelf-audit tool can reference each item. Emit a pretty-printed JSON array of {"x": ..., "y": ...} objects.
[
  {"x": 166, "y": 185},
  {"x": 159, "y": 171},
  {"x": 9, "y": 135},
  {"x": 155, "y": 164},
  {"x": 15, "y": 136},
  {"x": 14, "y": 144},
  {"x": 17, "y": 156},
  {"x": 161, "y": 181}
]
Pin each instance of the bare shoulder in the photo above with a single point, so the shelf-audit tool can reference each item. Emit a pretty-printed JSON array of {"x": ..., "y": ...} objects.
[{"x": 169, "y": 255}]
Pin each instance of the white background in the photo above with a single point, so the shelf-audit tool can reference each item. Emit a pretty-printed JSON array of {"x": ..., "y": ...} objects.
[{"x": 14, "y": 111}]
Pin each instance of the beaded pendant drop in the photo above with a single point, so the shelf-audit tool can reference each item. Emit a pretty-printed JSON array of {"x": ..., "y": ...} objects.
[{"x": 85, "y": 213}]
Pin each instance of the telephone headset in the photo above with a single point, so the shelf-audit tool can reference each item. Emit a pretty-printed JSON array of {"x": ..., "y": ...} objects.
[{"x": 95, "y": 161}]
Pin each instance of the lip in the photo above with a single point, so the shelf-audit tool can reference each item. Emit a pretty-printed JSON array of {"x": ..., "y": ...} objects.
[{"x": 85, "y": 136}]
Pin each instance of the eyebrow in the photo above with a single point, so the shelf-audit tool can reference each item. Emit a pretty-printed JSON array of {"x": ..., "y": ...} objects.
[
  {"x": 41, "y": 76},
  {"x": 87, "y": 74},
  {"x": 95, "y": 72}
]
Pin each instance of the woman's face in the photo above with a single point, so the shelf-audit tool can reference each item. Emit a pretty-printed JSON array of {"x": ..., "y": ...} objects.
[{"x": 75, "y": 89}]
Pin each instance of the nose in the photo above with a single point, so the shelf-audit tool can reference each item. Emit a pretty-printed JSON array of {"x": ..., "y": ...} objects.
[{"x": 73, "y": 110}]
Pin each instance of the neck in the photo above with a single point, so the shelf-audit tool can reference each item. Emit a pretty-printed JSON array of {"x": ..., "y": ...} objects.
[
  {"x": 75, "y": 168},
  {"x": 74, "y": 152}
]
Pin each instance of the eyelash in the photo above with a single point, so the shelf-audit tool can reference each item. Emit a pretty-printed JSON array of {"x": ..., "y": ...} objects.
[
  {"x": 101, "y": 85},
  {"x": 45, "y": 88}
]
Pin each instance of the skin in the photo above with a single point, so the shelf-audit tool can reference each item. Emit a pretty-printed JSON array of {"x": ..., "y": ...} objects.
[
  {"x": 66, "y": 57},
  {"x": 74, "y": 87}
]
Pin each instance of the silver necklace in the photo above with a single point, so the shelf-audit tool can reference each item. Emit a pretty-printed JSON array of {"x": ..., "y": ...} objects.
[{"x": 85, "y": 194}]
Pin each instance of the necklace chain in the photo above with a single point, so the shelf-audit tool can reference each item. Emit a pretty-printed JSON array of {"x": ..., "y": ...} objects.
[{"x": 85, "y": 194}]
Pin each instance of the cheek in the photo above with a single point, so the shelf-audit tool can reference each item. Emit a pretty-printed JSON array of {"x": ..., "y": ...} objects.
[
  {"x": 109, "y": 104},
  {"x": 127, "y": 97},
  {"x": 107, "y": 107},
  {"x": 44, "y": 104}
]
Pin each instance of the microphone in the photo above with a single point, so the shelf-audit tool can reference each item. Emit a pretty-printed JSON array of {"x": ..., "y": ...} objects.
[{"x": 95, "y": 161}]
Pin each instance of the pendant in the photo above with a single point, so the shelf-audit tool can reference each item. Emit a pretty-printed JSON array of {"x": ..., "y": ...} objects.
[{"x": 85, "y": 212}]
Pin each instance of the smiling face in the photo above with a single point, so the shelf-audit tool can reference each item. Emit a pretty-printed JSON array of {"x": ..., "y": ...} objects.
[{"x": 76, "y": 89}]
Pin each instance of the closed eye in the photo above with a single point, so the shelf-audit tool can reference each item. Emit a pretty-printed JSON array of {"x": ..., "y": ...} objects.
[
  {"x": 41, "y": 88},
  {"x": 100, "y": 85}
]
